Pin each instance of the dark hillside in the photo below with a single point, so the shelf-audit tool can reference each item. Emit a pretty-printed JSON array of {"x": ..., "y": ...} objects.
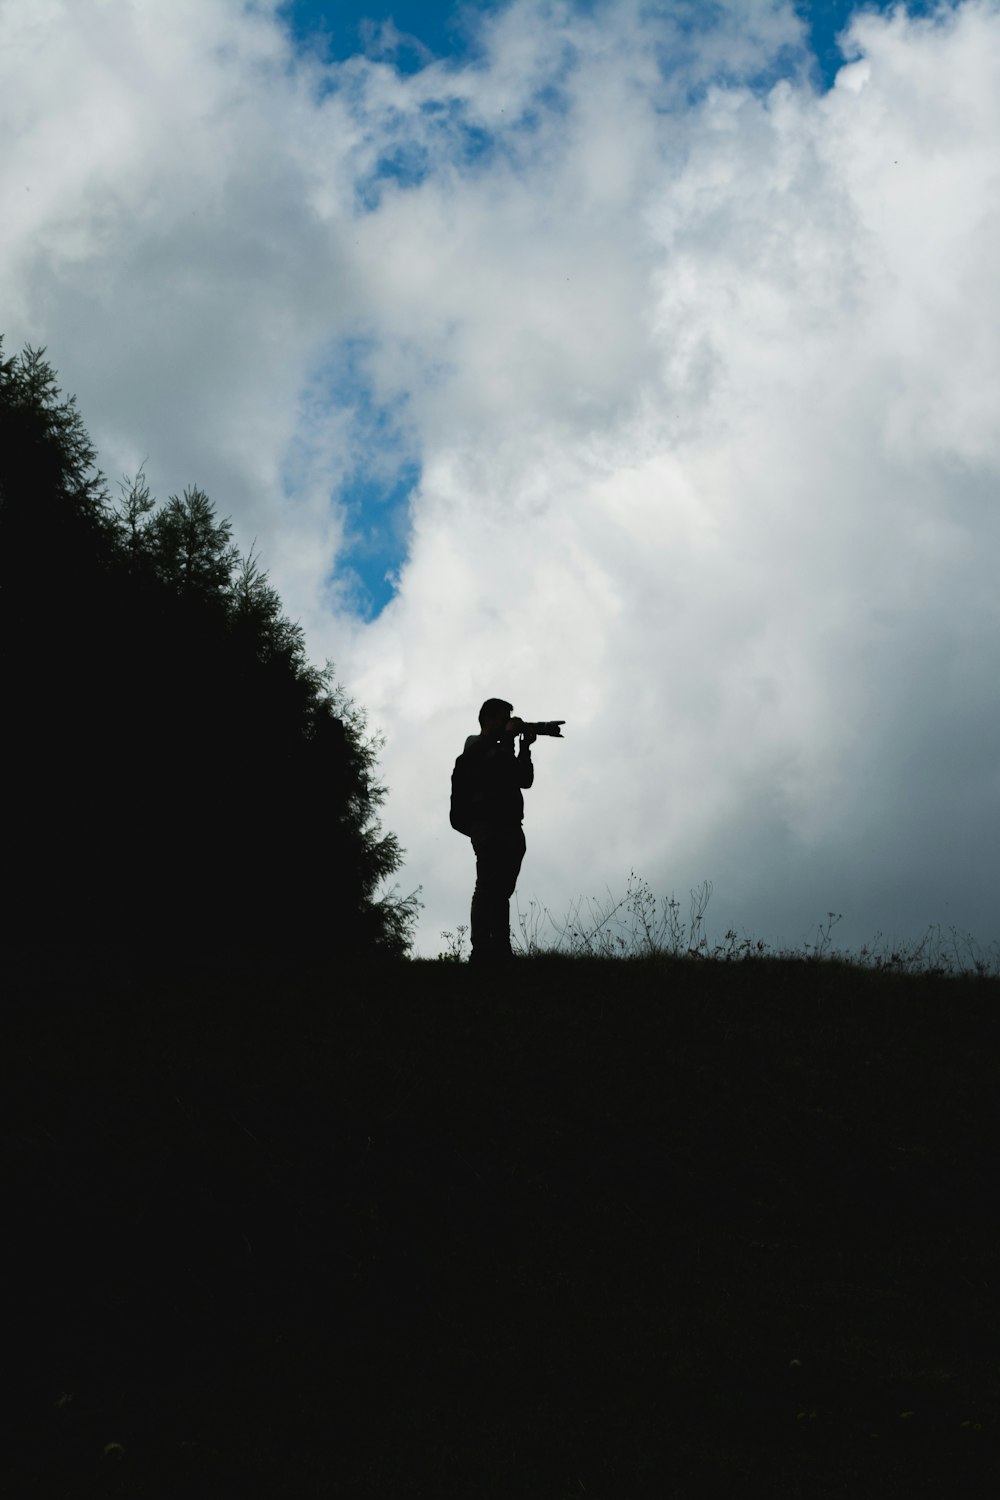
[{"x": 605, "y": 1229}]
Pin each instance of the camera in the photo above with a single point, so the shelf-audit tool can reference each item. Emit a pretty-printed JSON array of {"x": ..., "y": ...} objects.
[{"x": 550, "y": 727}]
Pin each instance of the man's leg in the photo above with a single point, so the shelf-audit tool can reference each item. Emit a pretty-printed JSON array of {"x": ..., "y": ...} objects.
[
  {"x": 482, "y": 944},
  {"x": 481, "y": 916},
  {"x": 499, "y": 853},
  {"x": 511, "y": 855}
]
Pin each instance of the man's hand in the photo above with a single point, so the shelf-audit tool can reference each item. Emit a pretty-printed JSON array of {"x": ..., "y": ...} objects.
[{"x": 516, "y": 726}]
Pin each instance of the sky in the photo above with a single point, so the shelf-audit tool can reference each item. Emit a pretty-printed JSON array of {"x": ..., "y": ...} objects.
[{"x": 636, "y": 363}]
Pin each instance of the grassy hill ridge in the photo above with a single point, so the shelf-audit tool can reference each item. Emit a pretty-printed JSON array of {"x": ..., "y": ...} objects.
[{"x": 598, "y": 1227}]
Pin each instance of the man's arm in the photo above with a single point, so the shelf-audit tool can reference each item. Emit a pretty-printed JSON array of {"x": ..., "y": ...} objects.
[{"x": 525, "y": 767}]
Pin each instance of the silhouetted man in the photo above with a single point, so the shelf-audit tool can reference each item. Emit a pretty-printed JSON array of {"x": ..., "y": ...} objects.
[{"x": 495, "y": 778}]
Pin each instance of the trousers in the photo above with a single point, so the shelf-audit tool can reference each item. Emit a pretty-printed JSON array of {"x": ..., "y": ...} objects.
[{"x": 499, "y": 852}]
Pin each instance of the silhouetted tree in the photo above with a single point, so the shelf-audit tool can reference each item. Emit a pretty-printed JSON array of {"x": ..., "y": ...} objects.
[
  {"x": 191, "y": 551},
  {"x": 184, "y": 779}
]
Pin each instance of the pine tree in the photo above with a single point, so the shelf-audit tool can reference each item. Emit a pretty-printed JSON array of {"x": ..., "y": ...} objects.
[{"x": 184, "y": 779}]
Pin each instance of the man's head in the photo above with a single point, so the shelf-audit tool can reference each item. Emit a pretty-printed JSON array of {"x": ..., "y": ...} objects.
[{"x": 493, "y": 716}]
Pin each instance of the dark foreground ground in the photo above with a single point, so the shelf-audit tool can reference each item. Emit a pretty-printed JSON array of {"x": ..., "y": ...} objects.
[{"x": 607, "y": 1229}]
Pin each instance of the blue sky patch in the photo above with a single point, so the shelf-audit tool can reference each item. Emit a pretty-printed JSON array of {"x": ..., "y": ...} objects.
[
  {"x": 382, "y": 471},
  {"x": 378, "y": 536},
  {"x": 344, "y": 28},
  {"x": 430, "y": 29},
  {"x": 405, "y": 165}
]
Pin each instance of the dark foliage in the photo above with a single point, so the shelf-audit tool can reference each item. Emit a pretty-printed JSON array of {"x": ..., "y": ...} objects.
[{"x": 180, "y": 779}]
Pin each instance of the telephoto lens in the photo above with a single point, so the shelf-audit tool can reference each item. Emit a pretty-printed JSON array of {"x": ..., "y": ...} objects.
[{"x": 551, "y": 726}]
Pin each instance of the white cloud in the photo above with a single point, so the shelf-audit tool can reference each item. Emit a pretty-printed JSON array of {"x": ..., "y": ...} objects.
[{"x": 702, "y": 378}]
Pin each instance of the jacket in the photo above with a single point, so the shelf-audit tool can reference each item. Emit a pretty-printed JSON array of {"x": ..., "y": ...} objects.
[{"x": 494, "y": 778}]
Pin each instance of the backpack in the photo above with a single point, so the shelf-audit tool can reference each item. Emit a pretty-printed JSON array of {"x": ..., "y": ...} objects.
[{"x": 463, "y": 796}]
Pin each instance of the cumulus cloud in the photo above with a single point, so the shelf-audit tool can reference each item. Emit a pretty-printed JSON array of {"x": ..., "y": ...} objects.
[{"x": 697, "y": 366}]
